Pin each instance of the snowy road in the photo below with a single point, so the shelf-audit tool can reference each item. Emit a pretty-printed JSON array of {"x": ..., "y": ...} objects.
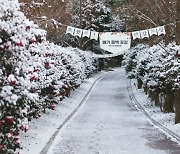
[{"x": 108, "y": 123}]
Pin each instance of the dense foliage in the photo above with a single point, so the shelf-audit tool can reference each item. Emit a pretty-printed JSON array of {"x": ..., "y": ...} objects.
[
  {"x": 157, "y": 71},
  {"x": 35, "y": 75}
]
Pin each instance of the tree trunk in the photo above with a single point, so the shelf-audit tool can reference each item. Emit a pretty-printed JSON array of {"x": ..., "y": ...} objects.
[
  {"x": 140, "y": 83},
  {"x": 156, "y": 98},
  {"x": 177, "y": 106},
  {"x": 169, "y": 102},
  {"x": 178, "y": 22},
  {"x": 145, "y": 89}
]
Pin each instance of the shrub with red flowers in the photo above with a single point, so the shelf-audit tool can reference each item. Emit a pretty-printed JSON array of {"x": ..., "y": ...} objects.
[{"x": 35, "y": 74}]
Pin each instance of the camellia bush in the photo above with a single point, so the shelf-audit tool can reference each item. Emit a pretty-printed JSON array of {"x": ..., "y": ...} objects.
[
  {"x": 35, "y": 75},
  {"x": 157, "y": 70}
]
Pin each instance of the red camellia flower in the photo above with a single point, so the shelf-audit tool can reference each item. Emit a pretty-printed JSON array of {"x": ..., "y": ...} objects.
[
  {"x": 32, "y": 41},
  {"x": 46, "y": 65},
  {"x": 47, "y": 54},
  {"x": 30, "y": 72},
  {"x": 28, "y": 27},
  {"x": 17, "y": 138},
  {"x": 38, "y": 116},
  {"x": 52, "y": 107},
  {"x": 12, "y": 83},
  {"x": 33, "y": 78},
  {"x": 36, "y": 70},
  {"x": 9, "y": 119},
  {"x": 19, "y": 44}
]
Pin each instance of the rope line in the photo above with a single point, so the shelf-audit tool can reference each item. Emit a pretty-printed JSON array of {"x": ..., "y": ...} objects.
[{"x": 60, "y": 24}]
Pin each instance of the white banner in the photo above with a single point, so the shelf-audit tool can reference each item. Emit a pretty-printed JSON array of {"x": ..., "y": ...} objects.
[
  {"x": 86, "y": 33},
  {"x": 94, "y": 35},
  {"x": 152, "y": 31},
  {"x": 70, "y": 30},
  {"x": 136, "y": 35},
  {"x": 117, "y": 42},
  {"x": 144, "y": 34},
  {"x": 78, "y": 32},
  {"x": 161, "y": 30}
]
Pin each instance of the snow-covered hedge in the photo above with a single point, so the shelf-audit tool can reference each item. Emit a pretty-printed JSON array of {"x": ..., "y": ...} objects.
[
  {"x": 157, "y": 70},
  {"x": 34, "y": 74}
]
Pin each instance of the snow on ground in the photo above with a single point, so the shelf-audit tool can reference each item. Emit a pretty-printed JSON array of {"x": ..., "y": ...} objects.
[
  {"x": 43, "y": 128},
  {"x": 108, "y": 123},
  {"x": 165, "y": 119}
]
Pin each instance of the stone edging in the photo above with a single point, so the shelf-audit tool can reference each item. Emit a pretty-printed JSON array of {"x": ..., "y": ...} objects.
[{"x": 133, "y": 98}]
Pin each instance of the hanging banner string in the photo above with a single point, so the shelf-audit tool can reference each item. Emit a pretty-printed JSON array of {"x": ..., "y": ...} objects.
[
  {"x": 141, "y": 34},
  {"x": 116, "y": 42}
]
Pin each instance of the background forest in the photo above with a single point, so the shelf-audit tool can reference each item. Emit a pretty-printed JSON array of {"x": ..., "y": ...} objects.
[{"x": 103, "y": 15}]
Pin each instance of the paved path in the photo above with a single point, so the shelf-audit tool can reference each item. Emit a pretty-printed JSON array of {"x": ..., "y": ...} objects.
[{"x": 108, "y": 123}]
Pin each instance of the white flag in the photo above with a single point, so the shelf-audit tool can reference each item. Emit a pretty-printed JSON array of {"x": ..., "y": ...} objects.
[
  {"x": 116, "y": 43},
  {"x": 136, "y": 35},
  {"x": 94, "y": 35},
  {"x": 161, "y": 30},
  {"x": 144, "y": 33},
  {"x": 152, "y": 31},
  {"x": 78, "y": 32},
  {"x": 86, "y": 33},
  {"x": 70, "y": 30}
]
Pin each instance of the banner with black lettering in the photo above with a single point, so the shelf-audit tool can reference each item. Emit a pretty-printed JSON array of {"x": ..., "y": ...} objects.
[
  {"x": 94, "y": 35},
  {"x": 136, "y": 35},
  {"x": 115, "y": 42},
  {"x": 86, "y": 33},
  {"x": 78, "y": 32},
  {"x": 70, "y": 30},
  {"x": 161, "y": 30},
  {"x": 152, "y": 31}
]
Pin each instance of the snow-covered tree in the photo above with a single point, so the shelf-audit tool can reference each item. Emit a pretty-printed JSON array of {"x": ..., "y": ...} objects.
[
  {"x": 95, "y": 16},
  {"x": 157, "y": 70},
  {"x": 35, "y": 74}
]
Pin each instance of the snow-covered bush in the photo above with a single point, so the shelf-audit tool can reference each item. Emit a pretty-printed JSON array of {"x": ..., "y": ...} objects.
[
  {"x": 157, "y": 70},
  {"x": 34, "y": 73}
]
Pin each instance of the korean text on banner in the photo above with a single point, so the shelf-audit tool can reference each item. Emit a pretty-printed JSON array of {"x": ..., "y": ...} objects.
[
  {"x": 152, "y": 31},
  {"x": 78, "y": 32},
  {"x": 161, "y": 30},
  {"x": 136, "y": 35},
  {"x": 115, "y": 42},
  {"x": 144, "y": 34},
  {"x": 86, "y": 33},
  {"x": 94, "y": 35},
  {"x": 70, "y": 30}
]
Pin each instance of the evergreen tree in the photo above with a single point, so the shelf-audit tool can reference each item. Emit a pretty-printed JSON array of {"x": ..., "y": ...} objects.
[{"x": 96, "y": 16}]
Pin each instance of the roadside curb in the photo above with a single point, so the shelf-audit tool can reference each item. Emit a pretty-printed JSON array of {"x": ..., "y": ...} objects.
[
  {"x": 49, "y": 143},
  {"x": 135, "y": 101}
]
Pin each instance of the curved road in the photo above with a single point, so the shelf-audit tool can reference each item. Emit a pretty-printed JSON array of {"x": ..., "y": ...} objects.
[{"x": 108, "y": 123}]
